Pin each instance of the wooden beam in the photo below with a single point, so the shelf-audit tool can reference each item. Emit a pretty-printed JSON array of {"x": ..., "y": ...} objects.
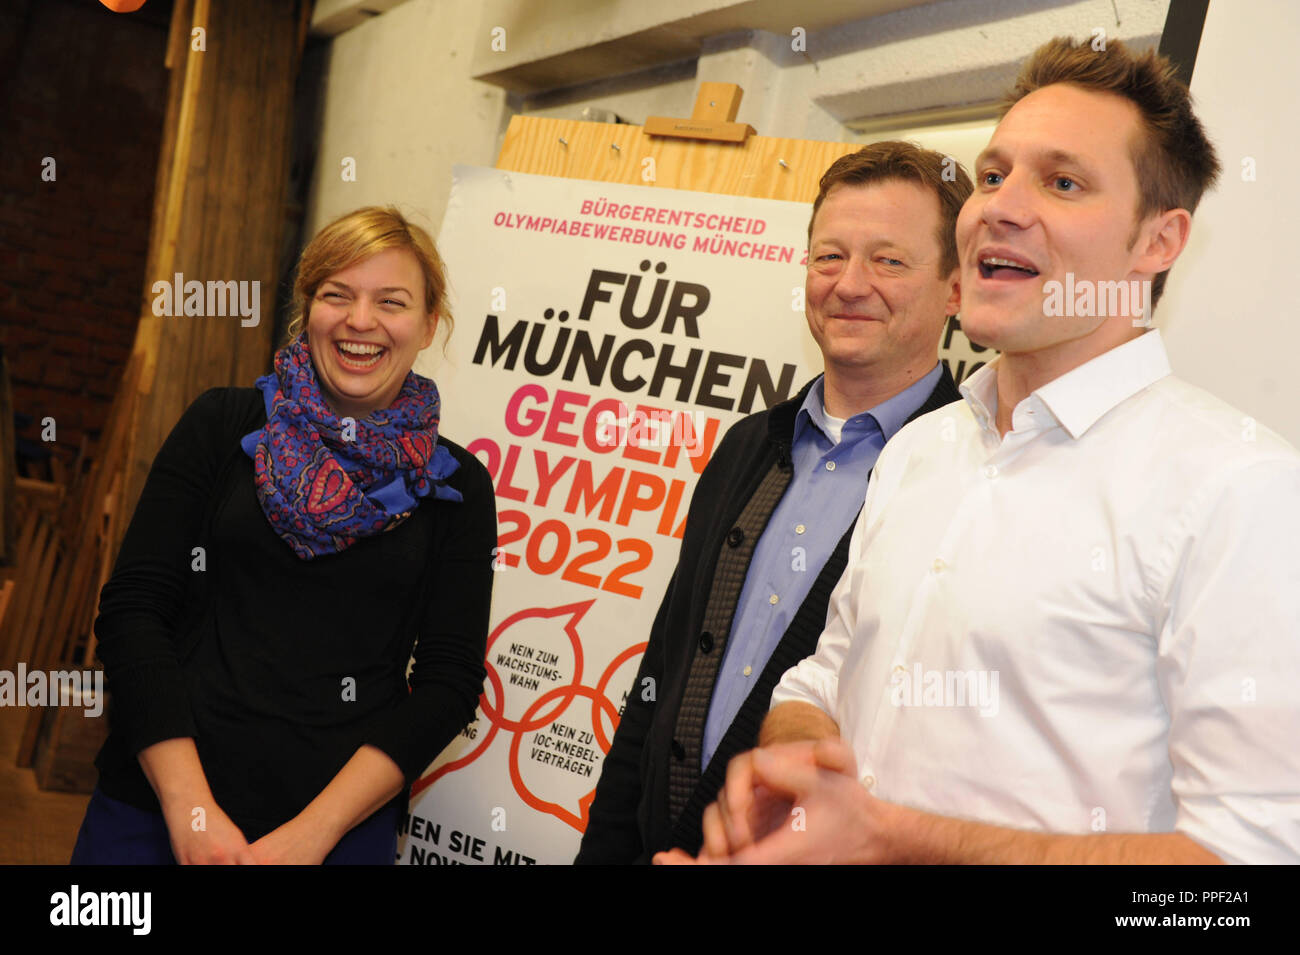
[
  {"x": 219, "y": 210},
  {"x": 8, "y": 465}
]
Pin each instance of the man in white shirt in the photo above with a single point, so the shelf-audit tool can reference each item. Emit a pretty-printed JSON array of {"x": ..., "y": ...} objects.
[{"x": 1069, "y": 628}]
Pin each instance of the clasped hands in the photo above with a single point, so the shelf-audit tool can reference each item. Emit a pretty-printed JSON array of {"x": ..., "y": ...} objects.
[
  {"x": 798, "y": 802},
  {"x": 221, "y": 842}
]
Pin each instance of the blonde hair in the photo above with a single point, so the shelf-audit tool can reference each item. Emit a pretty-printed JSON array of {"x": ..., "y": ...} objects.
[{"x": 357, "y": 236}]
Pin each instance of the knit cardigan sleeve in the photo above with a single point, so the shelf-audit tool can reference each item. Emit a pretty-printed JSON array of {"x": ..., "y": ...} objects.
[
  {"x": 143, "y": 603},
  {"x": 448, "y": 672}
]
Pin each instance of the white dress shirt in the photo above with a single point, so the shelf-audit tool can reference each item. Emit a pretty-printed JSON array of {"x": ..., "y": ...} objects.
[{"x": 1091, "y": 624}]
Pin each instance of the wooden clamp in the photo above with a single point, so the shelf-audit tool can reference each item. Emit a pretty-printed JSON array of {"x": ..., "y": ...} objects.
[{"x": 712, "y": 118}]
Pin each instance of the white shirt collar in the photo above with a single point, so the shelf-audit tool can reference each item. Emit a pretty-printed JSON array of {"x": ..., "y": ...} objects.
[{"x": 1081, "y": 396}]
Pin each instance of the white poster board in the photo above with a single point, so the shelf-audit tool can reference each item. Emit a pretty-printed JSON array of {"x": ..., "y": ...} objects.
[{"x": 607, "y": 337}]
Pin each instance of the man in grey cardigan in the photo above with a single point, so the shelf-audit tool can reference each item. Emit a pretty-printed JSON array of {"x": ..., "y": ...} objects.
[{"x": 768, "y": 528}]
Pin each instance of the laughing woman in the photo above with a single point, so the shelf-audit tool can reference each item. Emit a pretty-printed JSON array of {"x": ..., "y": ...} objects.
[{"x": 294, "y": 544}]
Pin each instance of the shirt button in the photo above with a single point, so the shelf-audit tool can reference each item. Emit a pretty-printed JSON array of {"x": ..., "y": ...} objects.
[
  {"x": 736, "y": 537},
  {"x": 869, "y": 781},
  {"x": 799, "y": 528},
  {"x": 773, "y": 599},
  {"x": 748, "y": 670},
  {"x": 990, "y": 471},
  {"x": 938, "y": 565},
  {"x": 899, "y": 668},
  {"x": 706, "y": 641},
  {"x": 830, "y": 465}
]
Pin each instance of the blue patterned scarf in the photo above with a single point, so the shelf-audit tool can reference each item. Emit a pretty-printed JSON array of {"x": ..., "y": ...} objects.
[{"x": 322, "y": 492}]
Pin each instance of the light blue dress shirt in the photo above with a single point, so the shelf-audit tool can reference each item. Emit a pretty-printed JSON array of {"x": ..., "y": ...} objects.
[{"x": 825, "y": 494}]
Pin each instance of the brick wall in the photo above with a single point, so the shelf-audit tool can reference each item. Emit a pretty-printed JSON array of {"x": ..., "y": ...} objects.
[{"x": 88, "y": 88}]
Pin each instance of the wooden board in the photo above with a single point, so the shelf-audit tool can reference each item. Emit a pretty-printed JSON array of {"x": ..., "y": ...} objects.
[
  {"x": 218, "y": 210},
  {"x": 64, "y": 748},
  {"x": 753, "y": 168},
  {"x": 8, "y": 466}
]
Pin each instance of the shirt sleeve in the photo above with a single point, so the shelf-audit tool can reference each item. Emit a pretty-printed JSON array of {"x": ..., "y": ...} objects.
[
  {"x": 448, "y": 672},
  {"x": 1229, "y": 666},
  {"x": 143, "y": 602}
]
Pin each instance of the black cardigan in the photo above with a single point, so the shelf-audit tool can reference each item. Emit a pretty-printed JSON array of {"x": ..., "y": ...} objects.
[
  {"x": 281, "y": 668},
  {"x": 629, "y": 817}
]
